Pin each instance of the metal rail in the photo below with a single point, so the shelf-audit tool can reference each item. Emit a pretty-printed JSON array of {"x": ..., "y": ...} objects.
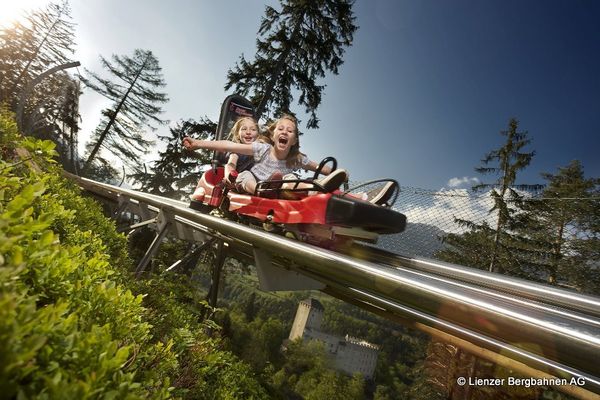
[
  {"x": 541, "y": 328},
  {"x": 513, "y": 286}
]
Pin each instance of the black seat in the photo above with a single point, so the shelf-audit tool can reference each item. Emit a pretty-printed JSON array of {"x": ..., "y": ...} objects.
[{"x": 234, "y": 107}]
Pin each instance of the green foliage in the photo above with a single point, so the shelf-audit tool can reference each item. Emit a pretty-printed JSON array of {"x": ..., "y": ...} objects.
[
  {"x": 241, "y": 289},
  {"x": 505, "y": 162},
  {"x": 220, "y": 375},
  {"x": 44, "y": 38},
  {"x": 175, "y": 308},
  {"x": 552, "y": 237},
  {"x": 71, "y": 325},
  {"x": 67, "y": 329},
  {"x": 296, "y": 46},
  {"x": 396, "y": 368},
  {"x": 176, "y": 172},
  {"x": 46, "y": 108},
  {"x": 307, "y": 372},
  {"x": 472, "y": 249},
  {"x": 560, "y": 232},
  {"x": 257, "y": 342}
]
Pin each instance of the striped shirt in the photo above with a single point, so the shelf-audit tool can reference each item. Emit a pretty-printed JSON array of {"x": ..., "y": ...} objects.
[{"x": 265, "y": 165}]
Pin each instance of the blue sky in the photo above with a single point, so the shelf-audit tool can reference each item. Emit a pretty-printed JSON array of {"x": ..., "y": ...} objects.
[{"x": 422, "y": 94}]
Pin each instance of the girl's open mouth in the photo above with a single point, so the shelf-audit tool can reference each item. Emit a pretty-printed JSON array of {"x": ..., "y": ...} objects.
[{"x": 283, "y": 140}]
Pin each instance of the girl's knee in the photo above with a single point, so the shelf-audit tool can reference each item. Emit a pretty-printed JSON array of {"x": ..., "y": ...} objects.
[{"x": 246, "y": 182}]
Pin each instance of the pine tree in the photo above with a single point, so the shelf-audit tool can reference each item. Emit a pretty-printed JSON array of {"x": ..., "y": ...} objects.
[
  {"x": 509, "y": 160},
  {"x": 53, "y": 113},
  {"x": 69, "y": 117},
  {"x": 471, "y": 248},
  {"x": 495, "y": 245},
  {"x": 137, "y": 105},
  {"x": 34, "y": 54},
  {"x": 562, "y": 229},
  {"x": 296, "y": 46},
  {"x": 45, "y": 39},
  {"x": 14, "y": 43},
  {"x": 177, "y": 169}
]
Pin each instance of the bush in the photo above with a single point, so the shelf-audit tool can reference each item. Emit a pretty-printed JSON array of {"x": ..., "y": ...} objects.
[
  {"x": 67, "y": 329},
  {"x": 70, "y": 326}
]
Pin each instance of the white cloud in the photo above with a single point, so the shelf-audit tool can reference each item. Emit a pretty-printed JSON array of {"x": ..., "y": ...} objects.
[{"x": 465, "y": 181}]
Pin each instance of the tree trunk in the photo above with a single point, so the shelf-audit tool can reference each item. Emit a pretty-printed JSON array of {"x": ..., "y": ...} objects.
[
  {"x": 499, "y": 226},
  {"x": 501, "y": 218},
  {"x": 556, "y": 253}
]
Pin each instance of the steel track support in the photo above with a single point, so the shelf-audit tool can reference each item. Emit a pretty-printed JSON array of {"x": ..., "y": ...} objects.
[
  {"x": 217, "y": 267},
  {"x": 132, "y": 228},
  {"x": 163, "y": 222},
  {"x": 123, "y": 202},
  {"x": 191, "y": 258}
]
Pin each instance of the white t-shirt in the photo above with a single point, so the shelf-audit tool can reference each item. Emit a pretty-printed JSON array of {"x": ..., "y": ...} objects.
[{"x": 265, "y": 164}]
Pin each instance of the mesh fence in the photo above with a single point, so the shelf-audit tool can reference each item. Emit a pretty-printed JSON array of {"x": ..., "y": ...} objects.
[{"x": 433, "y": 215}]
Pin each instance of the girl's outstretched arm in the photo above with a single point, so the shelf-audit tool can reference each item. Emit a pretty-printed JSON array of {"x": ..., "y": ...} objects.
[{"x": 219, "y": 145}]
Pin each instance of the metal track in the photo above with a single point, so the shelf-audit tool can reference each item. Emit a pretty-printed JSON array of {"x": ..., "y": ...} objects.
[{"x": 536, "y": 329}]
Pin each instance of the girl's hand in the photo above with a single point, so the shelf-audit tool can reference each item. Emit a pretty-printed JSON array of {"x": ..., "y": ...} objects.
[{"x": 188, "y": 143}]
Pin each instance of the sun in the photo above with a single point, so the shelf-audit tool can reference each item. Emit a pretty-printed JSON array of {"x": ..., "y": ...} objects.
[{"x": 13, "y": 10}]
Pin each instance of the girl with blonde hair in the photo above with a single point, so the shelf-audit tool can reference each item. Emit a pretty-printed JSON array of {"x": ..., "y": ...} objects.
[
  {"x": 244, "y": 131},
  {"x": 272, "y": 161}
]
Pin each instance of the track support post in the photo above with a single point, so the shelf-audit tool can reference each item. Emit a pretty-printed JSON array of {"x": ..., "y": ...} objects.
[{"x": 163, "y": 222}]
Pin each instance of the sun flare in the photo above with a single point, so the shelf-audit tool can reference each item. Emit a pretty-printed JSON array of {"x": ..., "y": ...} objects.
[{"x": 13, "y": 10}]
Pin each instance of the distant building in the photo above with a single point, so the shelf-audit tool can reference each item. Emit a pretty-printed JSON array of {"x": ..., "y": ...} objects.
[{"x": 350, "y": 354}]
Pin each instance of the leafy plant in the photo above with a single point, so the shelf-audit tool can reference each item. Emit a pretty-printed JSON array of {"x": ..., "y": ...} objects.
[{"x": 71, "y": 323}]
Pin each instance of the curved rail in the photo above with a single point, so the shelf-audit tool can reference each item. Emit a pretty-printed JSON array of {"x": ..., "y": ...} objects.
[{"x": 541, "y": 327}]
